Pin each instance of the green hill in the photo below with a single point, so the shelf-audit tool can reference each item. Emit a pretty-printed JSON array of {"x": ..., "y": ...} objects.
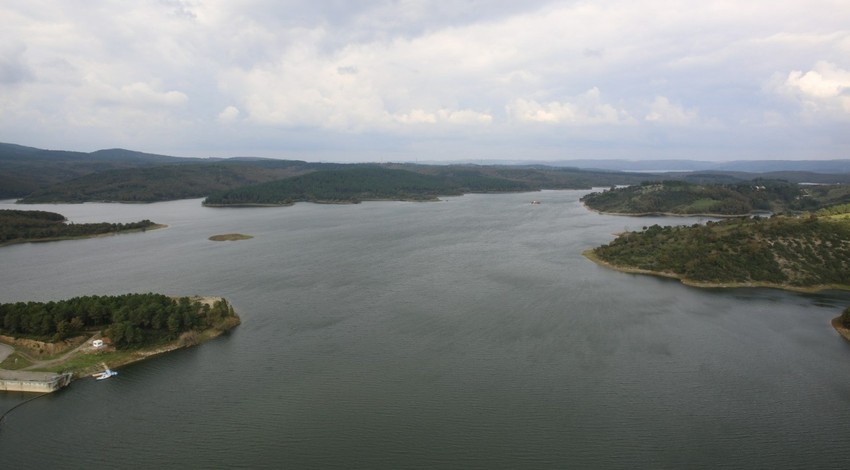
[
  {"x": 729, "y": 199},
  {"x": 360, "y": 183},
  {"x": 354, "y": 183},
  {"x": 808, "y": 252},
  {"x": 161, "y": 183},
  {"x": 24, "y": 170},
  {"x": 120, "y": 175}
]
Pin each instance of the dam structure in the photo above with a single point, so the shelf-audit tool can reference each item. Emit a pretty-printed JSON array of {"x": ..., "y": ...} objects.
[{"x": 36, "y": 382}]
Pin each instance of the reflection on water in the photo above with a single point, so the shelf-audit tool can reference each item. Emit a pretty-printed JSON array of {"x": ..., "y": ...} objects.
[{"x": 465, "y": 333}]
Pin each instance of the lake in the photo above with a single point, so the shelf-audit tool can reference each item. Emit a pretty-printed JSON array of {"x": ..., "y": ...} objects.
[{"x": 466, "y": 333}]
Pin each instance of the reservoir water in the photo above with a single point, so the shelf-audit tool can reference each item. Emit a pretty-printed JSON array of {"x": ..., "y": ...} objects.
[{"x": 467, "y": 333}]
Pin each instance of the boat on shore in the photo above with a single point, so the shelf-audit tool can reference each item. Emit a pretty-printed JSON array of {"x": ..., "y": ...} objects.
[{"x": 105, "y": 374}]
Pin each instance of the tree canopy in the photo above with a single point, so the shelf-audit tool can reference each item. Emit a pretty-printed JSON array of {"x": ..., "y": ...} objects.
[
  {"x": 18, "y": 226},
  {"x": 128, "y": 320},
  {"x": 364, "y": 183},
  {"x": 795, "y": 251},
  {"x": 739, "y": 198}
]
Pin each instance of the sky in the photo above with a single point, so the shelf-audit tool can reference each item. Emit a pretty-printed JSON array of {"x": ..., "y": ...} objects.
[{"x": 409, "y": 80}]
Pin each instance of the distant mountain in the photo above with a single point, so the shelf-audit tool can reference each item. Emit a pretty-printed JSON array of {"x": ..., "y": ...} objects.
[
  {"x": 749, "y": 166},
  {"x": 765, "y": 166},
  {"x": 121, "y": 175},
  {"x": 19, "y": 153},
  {"x": 163, "y": 182},
  {"x": 125, "y": 155},
  {"x": 24, "y": 170},
  {"x": 681, "y": 165},
  {"x": 125, "y": 175}
]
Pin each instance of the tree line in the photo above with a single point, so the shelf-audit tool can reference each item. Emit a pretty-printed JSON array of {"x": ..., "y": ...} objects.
[
  {"x": 739, "y": 198},
  {"x": 837, "y": 209},
  {"x": 353, "y": 185},
  {"x": 128, "y": 320},
  {"x": 796, "y": 251},
  {"x": 22, "y": 226}
]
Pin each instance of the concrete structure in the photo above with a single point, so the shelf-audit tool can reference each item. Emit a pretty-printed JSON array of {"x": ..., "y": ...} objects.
[{"x": 37, "y": 382}]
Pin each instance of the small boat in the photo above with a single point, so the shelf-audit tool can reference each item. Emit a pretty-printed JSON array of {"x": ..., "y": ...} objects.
[
  {"x": 107, "y": 373},
  {"x": 535, "y": 202}
]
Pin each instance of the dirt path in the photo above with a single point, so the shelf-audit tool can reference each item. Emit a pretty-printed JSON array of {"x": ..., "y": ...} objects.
[{"x": 50, "y": 362}]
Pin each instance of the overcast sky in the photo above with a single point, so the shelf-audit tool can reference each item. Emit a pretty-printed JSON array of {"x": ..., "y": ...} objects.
[{"x": 409, "y": 80}]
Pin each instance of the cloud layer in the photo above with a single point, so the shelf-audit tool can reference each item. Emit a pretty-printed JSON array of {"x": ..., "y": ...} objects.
[{"x": 429, "y": 80}]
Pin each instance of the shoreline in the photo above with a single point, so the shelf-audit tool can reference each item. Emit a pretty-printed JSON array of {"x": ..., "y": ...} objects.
[
  {"x": 713, "y": 285},
  {"x": 841, "y": 329},
  {"x": 21, "y": 241},
  {"x": 321, "y": 201},
  {"x": 140, "y": 355},
  {"x": 113, "y": 358},
  {"x": 668, "y": 214}
]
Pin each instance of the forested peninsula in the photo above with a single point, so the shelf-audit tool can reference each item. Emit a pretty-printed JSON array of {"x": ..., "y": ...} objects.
[
  {"x": 362, "y": 184},
  {"x": 803, "y": 253},
  {"x": 729, "y": 199},
  {"x": 133, "y": 326},
  {"x": 19, "y": 226}
]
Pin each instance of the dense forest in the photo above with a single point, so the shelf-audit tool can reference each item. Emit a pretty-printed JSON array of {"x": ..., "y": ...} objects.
[
  {"x": 18, "y": 226},
  {"x": 806, "y": 251},
  {"x": 162, "y": 183},
  {"x": 128, "y": 320},
  {"x": 24, "y": 170},
  {"x": 354, "y": 183},
  {"x": 118, "y": 175},
  {"x": 740, "y": 198},
  {"x": 363, "y": 183}
]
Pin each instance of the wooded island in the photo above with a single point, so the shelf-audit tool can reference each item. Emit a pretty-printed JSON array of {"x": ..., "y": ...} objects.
[{"x": 18, "y": 226}]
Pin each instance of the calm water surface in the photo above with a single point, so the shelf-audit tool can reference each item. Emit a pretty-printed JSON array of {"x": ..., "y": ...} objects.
[{"x": 469, "y": 333}]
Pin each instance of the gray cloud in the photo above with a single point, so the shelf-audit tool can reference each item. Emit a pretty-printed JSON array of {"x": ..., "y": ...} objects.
[
  {"x": 540, "y": 79},
  {"x": 13, "y": 65}
]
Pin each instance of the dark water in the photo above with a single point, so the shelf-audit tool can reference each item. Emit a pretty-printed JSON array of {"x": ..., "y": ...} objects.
[{"x": 469, "y": 333}]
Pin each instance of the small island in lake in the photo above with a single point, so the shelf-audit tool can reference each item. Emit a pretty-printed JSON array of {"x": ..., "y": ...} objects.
[
  {"x": 227, "y": 237},
  {"x": 19, "y": 226},
  {"x": 78, "y": 336}
]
